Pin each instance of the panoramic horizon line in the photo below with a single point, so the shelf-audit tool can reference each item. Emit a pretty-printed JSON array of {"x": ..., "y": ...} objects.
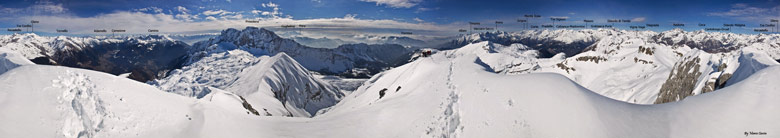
[{"x": 275, "y": 30}]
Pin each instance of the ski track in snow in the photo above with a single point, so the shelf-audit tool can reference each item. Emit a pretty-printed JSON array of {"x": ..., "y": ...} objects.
[
  {"x": 85, "y": 110},
  {"x": 450, "y": 120}
]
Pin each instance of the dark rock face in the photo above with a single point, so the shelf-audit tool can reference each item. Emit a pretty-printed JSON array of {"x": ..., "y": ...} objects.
[
  {"x": 43, "y": 61},
  {"x": 719, "y": 82},
  {"x": 563, "y": 66},
  {"x": 249, "y": 107},
  {"x": 681, "y": 82},
  {"x": 595, "y": 59}
]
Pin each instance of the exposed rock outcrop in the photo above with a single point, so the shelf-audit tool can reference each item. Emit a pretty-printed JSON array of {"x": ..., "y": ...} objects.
[{"x": 681, "y": 82}]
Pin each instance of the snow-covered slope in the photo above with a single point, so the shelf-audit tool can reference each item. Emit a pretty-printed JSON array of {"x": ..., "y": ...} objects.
[
  {"x": 344, "y": 59},
  {"x": 278, "y": 85},
  {"x": 10, "y": 59},
  {"x": 450, "y": 94},
  {"x": 639, "y": 67},
  {"x": 66, "y": 102},
  {"x": 454, "y": 96}
]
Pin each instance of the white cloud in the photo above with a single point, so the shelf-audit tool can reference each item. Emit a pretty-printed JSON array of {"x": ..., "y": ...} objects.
[
  {"x": 739, "y": 5},
  {"x": 9, "y": 10},
  {"x": 749, "y": 13},
  {"x": 396, "y": 3},
  {"x": 183, "y": 14},
  {"x": 269, "y": 5},
  {"x": 39, "y": 8},
  {"x": 418, "y": 20},
  {"x": 275, "y": 11},
  {"x": 233, "y": 17},
  {"x": 181, "y": 9},
  {"x": 50, "y": 8},
  {"x": 350, "y": 16},
  {"x": 149, "y": 9},
  {"x": 257, "y": 12},
  {"x": 186, "y": 17},
  {"x": 139, "y": 22},
  {"x": 423, "y": 9},
  {"x": 216, "y": 12},
  {"x": 638, "y": 19},
  {"x": 182, "y": 20}
]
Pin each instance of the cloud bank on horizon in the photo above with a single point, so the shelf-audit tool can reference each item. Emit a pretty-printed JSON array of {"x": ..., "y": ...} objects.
[{"x": 426, "y": 18}]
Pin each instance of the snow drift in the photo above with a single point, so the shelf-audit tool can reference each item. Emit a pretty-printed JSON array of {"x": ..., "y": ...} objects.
[{"x": 11, "y": 59}]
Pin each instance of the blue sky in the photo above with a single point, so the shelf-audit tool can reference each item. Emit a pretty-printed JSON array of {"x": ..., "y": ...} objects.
[{"x": 380, "y": 17}]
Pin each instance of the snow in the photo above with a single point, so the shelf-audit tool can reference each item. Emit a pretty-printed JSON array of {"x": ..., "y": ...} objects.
[
  {"x": 259, "y": 41},
  {"x": 68, "y": 102},
  {"x": 629, "y": 66},
  {"x": 483, "y": 104},
  {"x": 278, "y": 84},
  {"x": 218, "y": 70},
  {"x": 32, "y": 46},
  {"x": 450, "y": 94},
  {"x": 750, "y": 61},
  {"x": 288, "y": 81},
  {"x": 10, "y": 59},
  {"x": 345, "y": 84}
]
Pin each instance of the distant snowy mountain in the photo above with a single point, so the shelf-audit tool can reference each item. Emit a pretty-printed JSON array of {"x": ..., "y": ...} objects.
[
  {"x": 334, "y": 42},
  {"x": 145, "y": 57},
  {"x": 378, "y": 39},
  {"x": 547, "y": 42},
  {"x": 323, "y": 42},
  {"x": 449, "y": 94},
  {"x": 192, "y": 38},
  {"x": 354, "y": 60},
  {"x": 277, "y": 85}
]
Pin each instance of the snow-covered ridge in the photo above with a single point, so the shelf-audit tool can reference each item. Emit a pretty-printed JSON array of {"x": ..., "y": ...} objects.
[
  {"x": 342, "y": 60},
  {"x": 540, "y": 104},
  {"x": 449, "y": 94},
  {"x": 631, "y": 67},
  {"x": 11, "y": 59},
  {"x": 277, "y": 85}
]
